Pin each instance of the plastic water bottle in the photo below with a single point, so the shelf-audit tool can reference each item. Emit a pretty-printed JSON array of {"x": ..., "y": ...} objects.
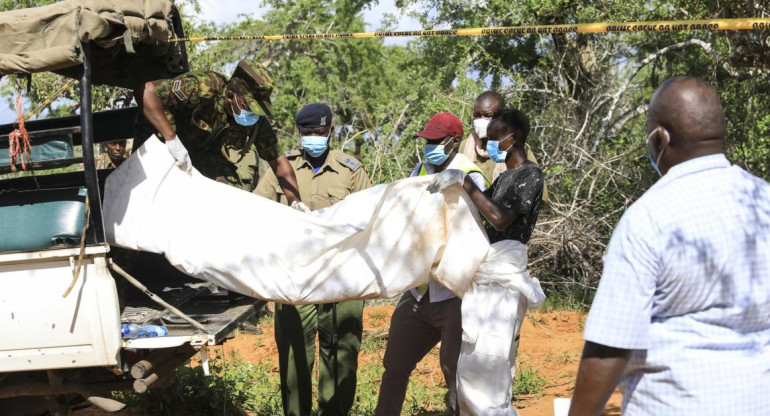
[{"x": 131, "y": 331}]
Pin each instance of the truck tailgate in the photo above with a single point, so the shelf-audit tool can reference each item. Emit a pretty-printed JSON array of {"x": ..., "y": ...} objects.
[{"x": 220, "y": 318}]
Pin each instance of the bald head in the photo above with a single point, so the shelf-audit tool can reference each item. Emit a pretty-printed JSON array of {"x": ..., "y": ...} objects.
[
  {"x": 488, "y": 104},
  {"x": 685, "y": 120},
  {"x": 689, "y": 109}
]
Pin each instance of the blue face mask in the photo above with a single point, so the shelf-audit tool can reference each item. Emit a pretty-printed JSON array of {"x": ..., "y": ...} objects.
[
  {"x": 493, "y": 149},
  {"x": 244, "y": 117},
  {"x": 653, "y": 161},
  {"x": 315, "y": 145},
  {"x": 434, "y": 154},
  {"x": 654, "y": 165}
]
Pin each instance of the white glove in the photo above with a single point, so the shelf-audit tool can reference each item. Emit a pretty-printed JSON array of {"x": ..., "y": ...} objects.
[
  {"x": 300, "y": 206},
  {"x": 179, "y": 152},
  {"x": 446, "y": 179}
]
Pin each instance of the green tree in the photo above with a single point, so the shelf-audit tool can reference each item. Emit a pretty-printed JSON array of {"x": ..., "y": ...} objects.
[
  {"x": 585, "y": 95},
  {"x": 380, "y": 94}
]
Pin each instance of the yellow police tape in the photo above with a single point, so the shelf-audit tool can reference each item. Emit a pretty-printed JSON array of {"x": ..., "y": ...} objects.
[
  {"x": 49, "y": 100},
  {"x": 659, "y": 26}
]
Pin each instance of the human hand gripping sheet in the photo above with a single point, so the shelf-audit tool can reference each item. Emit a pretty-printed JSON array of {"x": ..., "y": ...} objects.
[
  {"x": 445, "y": 180},
  {"x": 376, "y": 243},
  {"x": 179, "y": 153}
]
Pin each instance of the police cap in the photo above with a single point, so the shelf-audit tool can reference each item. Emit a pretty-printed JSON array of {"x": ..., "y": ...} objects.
[{"x": 314, "y": 115}]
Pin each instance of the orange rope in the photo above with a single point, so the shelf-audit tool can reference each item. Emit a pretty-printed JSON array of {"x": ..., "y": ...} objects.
[{"x": 18, "y": 140}]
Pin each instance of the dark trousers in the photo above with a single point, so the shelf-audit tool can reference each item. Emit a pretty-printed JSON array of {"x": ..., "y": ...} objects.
[
  {"x": 415, "y": 328},
  {"x": 295, "y": 331}
]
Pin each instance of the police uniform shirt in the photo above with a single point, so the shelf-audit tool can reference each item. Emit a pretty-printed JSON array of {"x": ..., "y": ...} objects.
[{"x": 338, "y": 177}]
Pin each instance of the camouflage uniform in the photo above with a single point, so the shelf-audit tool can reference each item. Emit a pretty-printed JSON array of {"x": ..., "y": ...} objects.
[
  {"x": 220, "y": 148},
  {"x": 296, "y": 326}
]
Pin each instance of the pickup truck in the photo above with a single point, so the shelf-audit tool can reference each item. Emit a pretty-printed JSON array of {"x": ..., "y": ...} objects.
[{"x": 62, "y": 298}]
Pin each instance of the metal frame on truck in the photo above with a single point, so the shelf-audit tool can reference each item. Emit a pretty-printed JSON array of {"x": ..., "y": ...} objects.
[{"x": 62, "y": 349}]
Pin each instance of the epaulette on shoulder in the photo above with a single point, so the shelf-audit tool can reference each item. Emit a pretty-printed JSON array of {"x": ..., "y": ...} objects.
[
  {"x": 348, "y": 161},
  {"x": 205, "y": 75},
  {"x": 292, "y": 153}
]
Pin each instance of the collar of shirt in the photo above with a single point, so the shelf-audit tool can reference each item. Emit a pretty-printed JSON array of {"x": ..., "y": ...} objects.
[
  {"x": 328, "y": 163},
  {"x": 699, "y": 164}
]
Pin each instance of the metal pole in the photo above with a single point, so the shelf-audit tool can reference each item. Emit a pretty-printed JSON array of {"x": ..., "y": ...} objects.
[
  {"x": 157, "y": 299},
  {"x": 87, "y": 141}
]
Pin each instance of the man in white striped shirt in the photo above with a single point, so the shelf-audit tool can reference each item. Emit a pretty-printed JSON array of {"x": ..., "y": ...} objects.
[{"x": 682, "y": 314}]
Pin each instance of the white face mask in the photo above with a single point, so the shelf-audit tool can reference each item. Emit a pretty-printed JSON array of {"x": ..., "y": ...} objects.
[{"x": 480, "y": 127}]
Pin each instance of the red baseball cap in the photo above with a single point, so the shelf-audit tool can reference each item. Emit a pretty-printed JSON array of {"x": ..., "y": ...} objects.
[{"x": 442, "y": 125}]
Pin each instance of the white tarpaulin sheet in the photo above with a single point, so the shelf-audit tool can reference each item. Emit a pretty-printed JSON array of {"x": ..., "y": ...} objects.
[
  {"x": 376, "y": 243},
  {"x": 493, "y": 310}
]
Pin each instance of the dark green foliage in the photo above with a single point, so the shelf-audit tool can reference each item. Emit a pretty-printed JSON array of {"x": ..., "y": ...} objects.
[{"x": 585, "y": 94}]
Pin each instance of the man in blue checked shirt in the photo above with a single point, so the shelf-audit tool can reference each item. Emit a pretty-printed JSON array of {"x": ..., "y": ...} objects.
[{"x": 682, "y": 315}]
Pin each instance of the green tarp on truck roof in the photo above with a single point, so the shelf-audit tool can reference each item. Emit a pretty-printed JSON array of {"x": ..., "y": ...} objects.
[{"x": 129, "y": 40}]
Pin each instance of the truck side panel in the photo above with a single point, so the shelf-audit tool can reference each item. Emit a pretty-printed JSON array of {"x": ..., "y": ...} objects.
[{"x": 42, "y": 329}]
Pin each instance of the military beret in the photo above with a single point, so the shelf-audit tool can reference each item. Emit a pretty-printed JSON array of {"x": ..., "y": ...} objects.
[
  {"x": 255, "y": 83},
  {"x": 314, "y": 115}
]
